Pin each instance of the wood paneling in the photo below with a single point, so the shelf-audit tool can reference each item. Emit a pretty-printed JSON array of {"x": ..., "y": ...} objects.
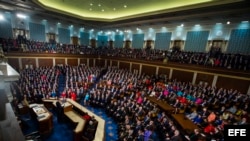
[
  {"x": 108, "y": 62},
  {"x": 149, "y": 70},
  {"x": 114, "y": 63},
  {"x": 135, "y": 67},
  {"x": 84, "y": 61},
  {"x": 28, "y": 61},
  {"x": 100, "y": 62},
  {"x": 232, "y": 83},
  {"x": 91, "y": 62},
  {"x": 60, "y": 61},
  {"x": 14, "y": 63},
  {"x": 182, "y": 76},
  {"x": 124, "y": 65},
  {"x": 164, "y": 71},
  {"x": 72, "y": 62},
  {"x": 45, "y": 62},
  {"x": 205, "y": 78}
]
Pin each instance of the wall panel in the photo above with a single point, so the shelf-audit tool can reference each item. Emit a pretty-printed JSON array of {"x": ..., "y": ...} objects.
[
  {"x": 124, "y": 65},
  {"x": 205, "y": 78},
  {"x": 60, "y": 61},
  {"x": 72, "y": 62},
  {"x": 149, "y": 70},
  {"x": 114, "y": 63},
  {"x": 84, "y": 61},
  {"x": 100, "y": 62},
  {"x": 182, "y": 75},
  {"x": 164, "y": 71},
  {"x": 91, "y": 62},
  {"x": 232, "y": 83},
  {"x": 135, "y": 67},
  {"x": 108, "y": 62},
  {"x": 28, "y": 61},
  {"x": 45, "y": 62}
]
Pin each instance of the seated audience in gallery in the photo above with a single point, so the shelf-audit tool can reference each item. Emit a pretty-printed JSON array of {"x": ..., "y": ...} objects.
[{"x": 237, "y": 61}]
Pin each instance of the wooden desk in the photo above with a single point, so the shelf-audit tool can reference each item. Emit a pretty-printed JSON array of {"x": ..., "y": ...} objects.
[
  {"x": 100, "y": 131},
  {"x": 44, "y": 118},
  {"x": 185, "y": 123},
  {"x": 165, "y": 106},
  {"x": 74, "y": 117}
]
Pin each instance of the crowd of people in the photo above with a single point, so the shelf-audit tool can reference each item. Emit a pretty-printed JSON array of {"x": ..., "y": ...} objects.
[
  {"x": 213, "y": 58},
  {"x": 123, "y": 95}
]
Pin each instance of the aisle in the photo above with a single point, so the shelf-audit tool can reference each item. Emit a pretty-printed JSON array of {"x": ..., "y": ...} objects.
[
  {"x": 111, "y": 133},
  {"x": 61, "y": 84}
]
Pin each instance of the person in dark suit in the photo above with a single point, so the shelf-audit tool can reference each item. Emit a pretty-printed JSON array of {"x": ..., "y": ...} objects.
[
  {"x": 175, "y": 137},
  {"x": 59, "y": 111},
  {"x": 140, "y": 136}
]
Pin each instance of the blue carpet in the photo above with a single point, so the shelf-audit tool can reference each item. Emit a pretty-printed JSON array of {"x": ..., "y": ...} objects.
[
  {"x": 110, "y": 126},
  {"x": 62, "y": 131},
  {"x": 30, "y": 125}
]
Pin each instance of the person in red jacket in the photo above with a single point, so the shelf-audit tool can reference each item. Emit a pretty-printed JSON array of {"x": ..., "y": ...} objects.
[
  {"x": 63, "y": 95},
  {"x": 209, "y": 128},
  {"x": 73, "y": 96}
]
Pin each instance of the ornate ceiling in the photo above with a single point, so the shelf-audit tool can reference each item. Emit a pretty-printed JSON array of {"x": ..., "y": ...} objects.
[
  {"x": 114, "y": 10},
  {"x": 108, "y": 14}
]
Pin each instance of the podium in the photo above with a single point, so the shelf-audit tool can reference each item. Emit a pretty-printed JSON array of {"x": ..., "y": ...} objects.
[{"x": 44, "y": 118}]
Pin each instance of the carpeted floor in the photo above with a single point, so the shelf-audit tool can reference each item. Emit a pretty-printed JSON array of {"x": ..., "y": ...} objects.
[{"x": 61, "y": 130}]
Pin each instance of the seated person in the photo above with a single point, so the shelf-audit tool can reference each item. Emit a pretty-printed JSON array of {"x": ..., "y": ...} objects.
[
  {"x": 195, "y": 136},
  {"x": 90, "y": 130},
  {"x": 192, "y": 115},
  {"x": 209, "y": 129},
  {"x": 86, "y": 117},
  {"x": 198, "y": 119},
  {"x": 211, "y": 117}
]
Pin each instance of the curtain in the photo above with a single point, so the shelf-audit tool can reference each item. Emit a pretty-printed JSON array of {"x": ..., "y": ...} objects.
[
  {"x": 37, "y": 32},
  {"x": 239, "y": 41},
  {"x": 196, "y": 41},
  {"x": 162, "y": 40},
  {"x": 138, "y": 40},
  {"x": 64, "y": 35},
  {"x": 118, "y": 43}
]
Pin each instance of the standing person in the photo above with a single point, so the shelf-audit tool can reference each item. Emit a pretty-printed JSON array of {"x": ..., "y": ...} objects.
[
  {"x": 73, "y": 95},
  {"x": 63, "y": 95}
]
